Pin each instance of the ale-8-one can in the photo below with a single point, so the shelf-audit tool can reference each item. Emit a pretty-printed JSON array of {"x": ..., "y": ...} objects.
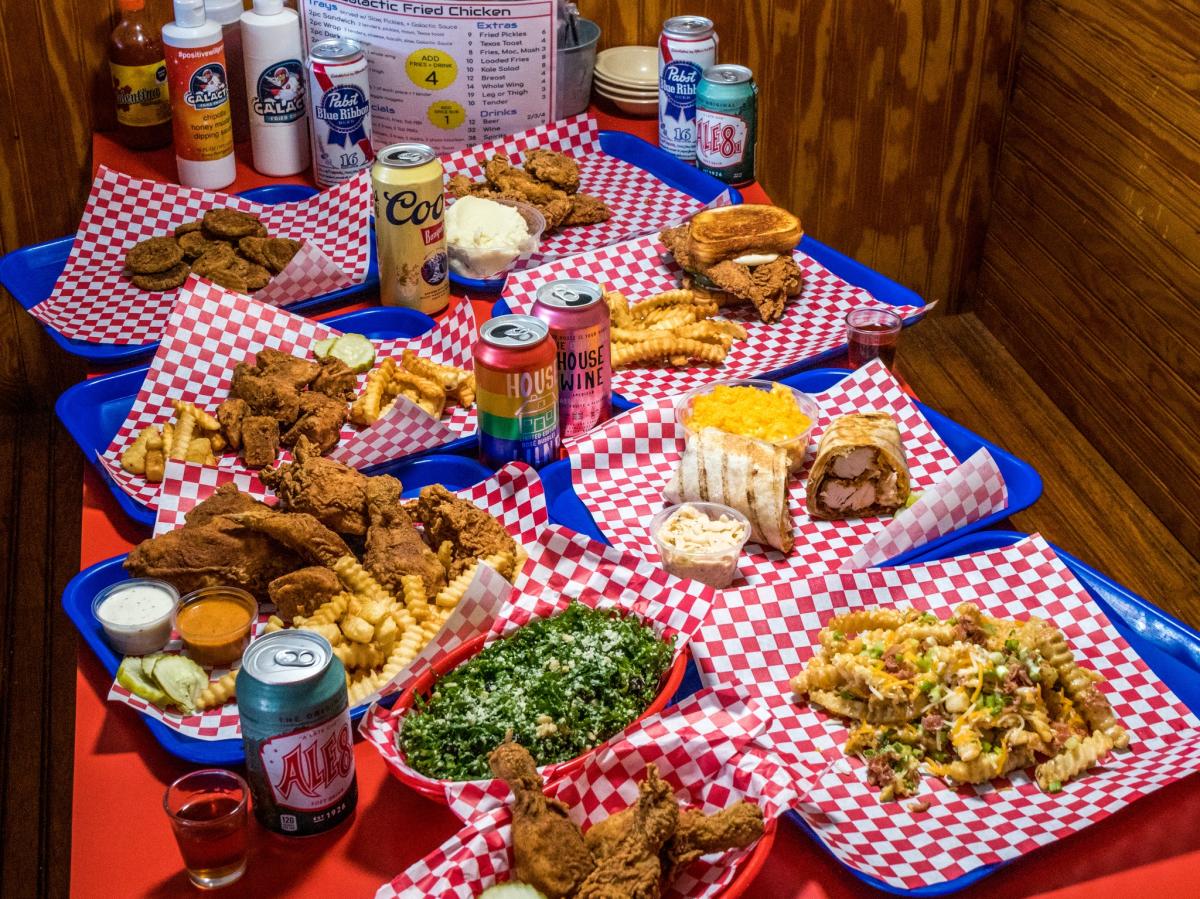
[
  {"x": 516, "y": 391},
  {"x": 578, "y": 319},
  {"x": 727, "y": 123},
  {"x": 296, "y": 732},
  {"x": 686, "y": 47},
  {"x": 410, "y": 234},
  {"x": 339, "y": 111}
]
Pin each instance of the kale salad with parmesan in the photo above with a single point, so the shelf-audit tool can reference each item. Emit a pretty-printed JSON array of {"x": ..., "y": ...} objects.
[{"x": 560, "y": 685}]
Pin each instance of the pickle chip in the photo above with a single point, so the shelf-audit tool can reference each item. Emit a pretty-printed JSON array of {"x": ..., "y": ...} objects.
[
  {"x": 355, "y": 350},
  {"x": 133, "y": 678}
]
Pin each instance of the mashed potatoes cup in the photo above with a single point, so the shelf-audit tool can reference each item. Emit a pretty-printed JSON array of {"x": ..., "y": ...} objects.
[{"x": 488, "y": 236}]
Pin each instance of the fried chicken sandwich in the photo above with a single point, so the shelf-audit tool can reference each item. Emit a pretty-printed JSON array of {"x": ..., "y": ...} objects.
[{"x": 740, "y": 253}]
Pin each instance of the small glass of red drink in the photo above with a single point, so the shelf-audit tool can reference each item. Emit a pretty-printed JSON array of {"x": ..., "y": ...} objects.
[
  {"x": 207, "y": 809},
  {"x": 872, "y": 334}
]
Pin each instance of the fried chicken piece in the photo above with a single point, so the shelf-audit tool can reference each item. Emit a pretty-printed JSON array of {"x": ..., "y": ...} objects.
[
  {"x": 473, "y": 532},
  {"x": 291, "y": 370},
  {"x": 320, "y": 421},
  {"x": 548, "y": 849},
  {"x": 336, "y": 380},
  {"x": 556, "y": 212},
  {"x": 554, "y": 168},
  {"x": 299, "y": 532},
  {"x": 735, "y": 827},
  {"x": 265, "y": 395},
  {"x": 633, "y": 870},
  {"x": 260, "y": 441},
  {"x": 229, "y": 416},
  {"x": 394, "y": 546},
  {"x": 766, "y": 286},
  {"x": 225, "y": 500},
  {"x": 302, "y": 592},
  {"x": 503, "y": 176},
  {"x": 216, "y": 551},
  {"x": 461, "y": 186},
  {"x": 333, "y": 493},
  {"x": 587, "y": 210},
  {"x": 677, "y": 244}
]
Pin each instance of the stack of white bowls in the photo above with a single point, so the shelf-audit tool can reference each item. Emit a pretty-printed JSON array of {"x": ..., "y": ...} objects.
[{"x": 628, "y": 78}]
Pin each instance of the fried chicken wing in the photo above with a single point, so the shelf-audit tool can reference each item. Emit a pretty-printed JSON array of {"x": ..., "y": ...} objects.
[
  {"x": 587, "y": 210},
  {"x": 735, "y": 827},
  {"x": 394, "y": 546},
  {"x": 548, "y": 850},
  {"x": 473, "y": 533},
  {"x": 554, "y": 168},
  {"x": 320, "y": 421},
  {"x": 333, "y": 493},
  {"x": 633, "y": 870},
  {"x": 299, "y": 532},
  {"x": 302, "y": 592}
]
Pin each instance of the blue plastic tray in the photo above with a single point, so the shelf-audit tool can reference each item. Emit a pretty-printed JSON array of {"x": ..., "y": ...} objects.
[
  {"x": 456, "y": 472},
  {"x": 94, "y": 410},
  {"x": 1024, "y": 483},
  {"x": 662, "y": 165},
  {"x": 29, "y": 274},
  {"x": 1167, "y": 645}
]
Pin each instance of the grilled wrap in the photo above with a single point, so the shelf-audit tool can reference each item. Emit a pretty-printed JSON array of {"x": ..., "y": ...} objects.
[
  {"x": 859, "y": 470},
  {"x": 739, "y": 472}
]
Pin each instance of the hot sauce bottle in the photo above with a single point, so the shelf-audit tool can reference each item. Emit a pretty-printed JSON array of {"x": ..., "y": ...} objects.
[{"x": 139, "y": 78}]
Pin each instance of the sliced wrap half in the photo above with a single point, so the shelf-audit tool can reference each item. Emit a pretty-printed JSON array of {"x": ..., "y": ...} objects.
[{"x": 859, "y": 470}]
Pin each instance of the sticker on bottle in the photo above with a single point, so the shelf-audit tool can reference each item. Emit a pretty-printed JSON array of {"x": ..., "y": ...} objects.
[
  {"x": 141, "y": 93},
  {"x": 199, "y": 85},
  {"x": 279, "y": 94}
]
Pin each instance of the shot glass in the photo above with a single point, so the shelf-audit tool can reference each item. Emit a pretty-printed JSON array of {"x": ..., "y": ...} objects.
[
  {"x": 207, "y": 809},
  {"x": 872, "y": 334}
]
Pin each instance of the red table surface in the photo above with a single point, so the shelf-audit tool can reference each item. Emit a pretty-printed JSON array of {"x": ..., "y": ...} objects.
[{"x": 122, "y": 845}]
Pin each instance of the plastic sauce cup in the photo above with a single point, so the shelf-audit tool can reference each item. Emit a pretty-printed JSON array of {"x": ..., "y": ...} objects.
[
  {"x": 487, "y": 262},
  {"x": 136, "y": 614},
  {"x": 716, "y": 568},
  {"x": 214, "y": 624}
]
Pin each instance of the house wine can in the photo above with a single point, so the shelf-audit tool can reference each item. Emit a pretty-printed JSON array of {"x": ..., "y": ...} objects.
[
  {"x": 686, "y": 47},
  {"x": 727, "y": 124},
  {"x": 516, "y": 397},
  {"x": 577, "y": 316},
  {"x": 410, "y": 234},
  {"x": 296, "y": 732},
  {"x": 339, "y": 110}
]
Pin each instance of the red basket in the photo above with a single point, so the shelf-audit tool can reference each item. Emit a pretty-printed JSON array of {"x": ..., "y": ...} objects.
[
  {"x": 434, "y": 789},
  {"x": 753, "y": 863}
]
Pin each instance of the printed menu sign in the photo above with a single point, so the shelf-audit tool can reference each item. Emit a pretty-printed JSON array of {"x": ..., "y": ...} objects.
[{"x": 447, "y": 74}]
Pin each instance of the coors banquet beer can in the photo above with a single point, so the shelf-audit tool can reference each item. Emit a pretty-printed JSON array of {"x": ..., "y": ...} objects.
[
  {"x": 577, "y": 316},
  {"x": 516, "y": 391},
  {"x": 339, "y": 111},
  {"x": 686, "y": 47},
  {"x": 410, "y": 234},
  {"x": 296, "y": 731},
  {"x": 727, "y": 124}
]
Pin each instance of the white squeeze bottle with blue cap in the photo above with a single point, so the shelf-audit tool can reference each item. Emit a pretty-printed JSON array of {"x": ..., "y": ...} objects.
[
  {"x": 274, "y": 62},
  {"x": 199, "y": 90}
]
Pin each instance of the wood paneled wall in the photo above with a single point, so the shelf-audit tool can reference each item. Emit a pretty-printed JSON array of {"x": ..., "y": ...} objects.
[
  {"x": 1091, "y": 269},
  {"x": 879, "y": 119}
]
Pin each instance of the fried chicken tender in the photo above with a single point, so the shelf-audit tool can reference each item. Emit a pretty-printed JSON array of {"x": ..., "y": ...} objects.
[
  {"x": 320, "y": 421},
  {"x": 735, "y": 827},
  {"x": 473, "y": 533},
  {"x": 766, "y": 286},
  {"x": 333, "y": 493},
  {"x": 504, "y": 176},
  {"x": 548, "y": 850},
  {"x": 230, "y": 415},
  {"x": 677, "y": 244},
  {"x": 225, "y": 500},
  {"x": 213, "y": 550},
  {"x": 291, "y": 370},
  {"x": 300, "y": 593},
  {"x": 587, "y": 210},
  {"x": 633, "y": 870},
  {"x": 394, "y": 546},
  {"x": 299, "y": 532},
  {"x": 554, "y": 168}
]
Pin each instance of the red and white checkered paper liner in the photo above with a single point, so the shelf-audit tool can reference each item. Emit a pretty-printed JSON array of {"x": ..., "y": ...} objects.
[
  {"x": 813, "y": 323},
  {"x": 760, "y": 645},
  {"x": 639, "y": 201},
  {"x": 621, "y": 468},
  {"x": 212, "y": 329},
  {"x": 563, "y": 566},
  {"x": 92, "y": 300},
  {"x": 703, "y": 747}
]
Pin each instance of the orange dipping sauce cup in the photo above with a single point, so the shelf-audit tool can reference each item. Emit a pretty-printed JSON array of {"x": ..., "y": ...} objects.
[{"x": 214, "y": 624}]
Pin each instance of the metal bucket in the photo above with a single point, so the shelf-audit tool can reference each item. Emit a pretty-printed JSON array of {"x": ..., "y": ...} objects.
[{"x": 575, "y": 66}]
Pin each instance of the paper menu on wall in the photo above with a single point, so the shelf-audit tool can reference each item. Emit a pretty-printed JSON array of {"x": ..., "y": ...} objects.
[{"x": 451, "y": 75}]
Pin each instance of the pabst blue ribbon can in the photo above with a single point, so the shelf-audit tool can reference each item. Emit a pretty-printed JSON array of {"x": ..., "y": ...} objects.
[
  {"x": 410, "y": 233},
  {"x": 686, "y": 47},
  {"x": 296, "y": 732},
  {"x": 339, "y": 111},
  {"x": 727, "y": 124},
  {"x": 578, "y": 318},
  {"x": 516, "y": 391}
]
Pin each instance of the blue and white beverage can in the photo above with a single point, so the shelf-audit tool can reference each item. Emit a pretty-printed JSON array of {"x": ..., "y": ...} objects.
[
  {"x": 339, "y": 98},
  {"x": 727, "y": 124},
  {"x": 686, "y": 47}
]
